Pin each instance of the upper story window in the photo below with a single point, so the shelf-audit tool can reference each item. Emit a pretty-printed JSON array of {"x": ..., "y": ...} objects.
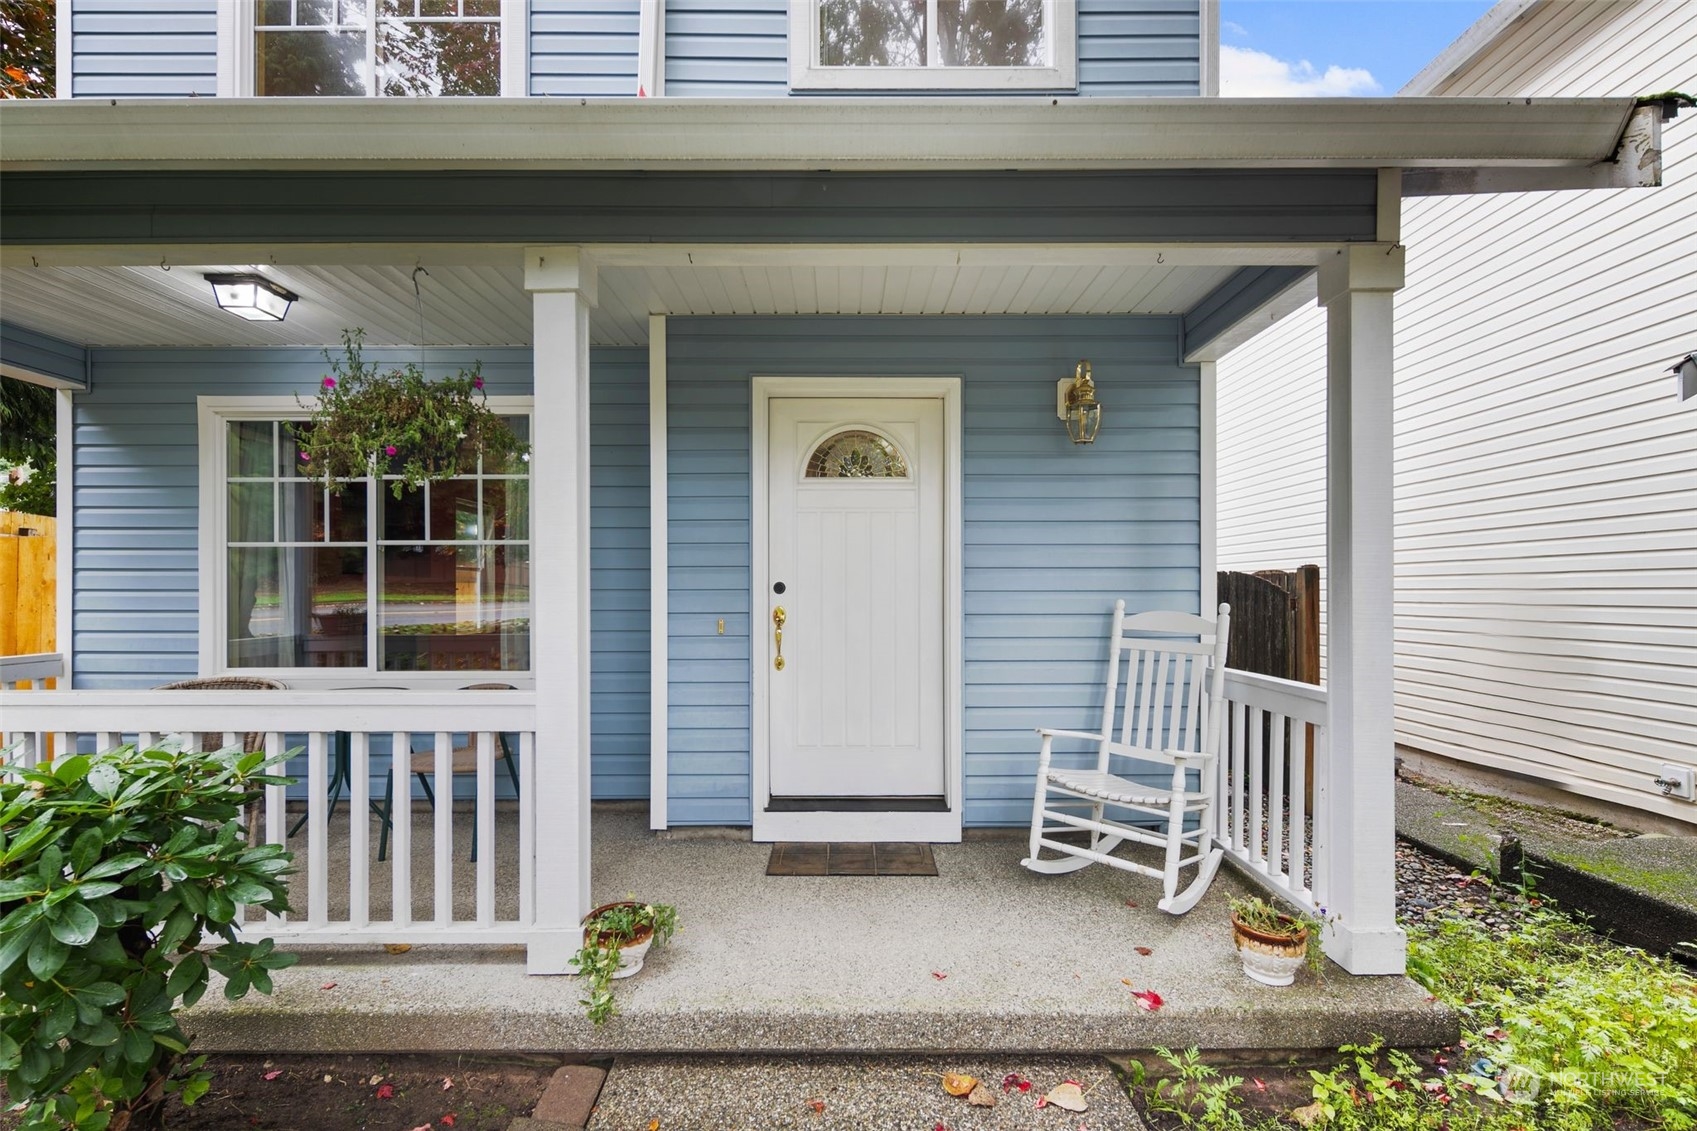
[
  {"x": 382, "y": 48},
  {"x": 310, "y": 585},
  {"x": 933, "y": 45}
]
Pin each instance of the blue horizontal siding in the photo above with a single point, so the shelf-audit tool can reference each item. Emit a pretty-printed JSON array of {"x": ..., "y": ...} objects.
[
  {"x": 44, "y": 355},
  {"x": 1139, "y": 48},
  {"x": 584, "y": 48},
  {"x": 144, "y": 48},
  {"x": 1123, "y": 514},
  {"x": 727, "y": 49},
  {"x": 135, "y": 571}
]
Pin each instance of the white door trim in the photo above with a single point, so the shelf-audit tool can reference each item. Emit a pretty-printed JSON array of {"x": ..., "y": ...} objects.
[{"x": 936, "y": 827}]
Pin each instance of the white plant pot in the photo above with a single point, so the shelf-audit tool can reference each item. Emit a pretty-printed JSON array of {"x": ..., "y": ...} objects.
[{"x": 1266, "y": 965}]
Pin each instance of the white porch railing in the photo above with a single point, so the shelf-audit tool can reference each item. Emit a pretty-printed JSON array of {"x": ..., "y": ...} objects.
[
  {"x": 35, "y": 670},
  {"x": 1264, "y": 820},
  {"x": 339, "y": 908}
]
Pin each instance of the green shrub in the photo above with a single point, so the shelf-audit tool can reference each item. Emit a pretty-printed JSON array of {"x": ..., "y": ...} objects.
[
  {"x": 1590, "y": 1030},
  {"x": 113, "y": 869}
]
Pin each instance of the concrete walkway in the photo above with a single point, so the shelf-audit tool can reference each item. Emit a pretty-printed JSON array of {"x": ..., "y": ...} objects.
[
  {"x": 986, "y": 957},
  {"x": 1640, "y": 888}
]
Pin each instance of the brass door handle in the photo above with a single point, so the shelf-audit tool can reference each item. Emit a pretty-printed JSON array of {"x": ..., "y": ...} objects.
[{"x": 778, "y": 619}]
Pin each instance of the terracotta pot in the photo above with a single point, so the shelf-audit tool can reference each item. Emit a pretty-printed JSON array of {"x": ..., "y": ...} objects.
[
  {"x": 1272, "y": 960},
  {"x": 631, "y": 952}
]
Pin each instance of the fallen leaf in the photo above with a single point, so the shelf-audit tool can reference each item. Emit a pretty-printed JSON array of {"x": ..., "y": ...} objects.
[
  {"x": 980, "y": 1096},
  {"x": 1068, "y": 1097},
  {"x": 1131, "y": 903},
  {"x": 1261, "y": 1085},
  {"x": 274, "y": 1074},
  {"x": 653, "y": 1125},
  {"x": 397, "y": 947},
  {"x": 328, "y": 986},
  {"x": 1148, "y": 999},
  {"x": 374, "y": 1081},
  {"x": 958, "y": 1083},
  {"x": 450, "y": 1119},
  {"x": 1143, "y": 950},
  {"x": 940, "y": 1127},
  {"x": 424, "y": 1127},
  {"x": 386, "y": 1091},
  {"x": 1015, "y": 1080},
  {"x": 1310, "y": 1115},
  {"x": 817, "y": 1105},
  {"x": 447, "y": 1083},
  {"x": 939, "y": 975}
]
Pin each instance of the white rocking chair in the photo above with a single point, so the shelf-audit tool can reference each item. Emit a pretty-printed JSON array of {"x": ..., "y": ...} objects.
[{"x": 1170, "y": 716}]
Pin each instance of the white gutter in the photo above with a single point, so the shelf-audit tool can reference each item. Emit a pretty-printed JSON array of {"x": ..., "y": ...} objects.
[{"x": 849, "y": 134}]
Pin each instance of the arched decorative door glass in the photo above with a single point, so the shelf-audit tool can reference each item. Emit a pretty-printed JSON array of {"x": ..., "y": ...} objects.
[{"x": 856, "y": 453}]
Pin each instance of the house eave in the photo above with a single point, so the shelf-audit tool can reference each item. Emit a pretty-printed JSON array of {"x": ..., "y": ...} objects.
[{"x": 860, "y": 134}]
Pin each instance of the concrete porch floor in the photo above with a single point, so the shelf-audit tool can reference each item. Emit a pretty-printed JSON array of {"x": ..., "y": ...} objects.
[{"x": 845, "y": 964}]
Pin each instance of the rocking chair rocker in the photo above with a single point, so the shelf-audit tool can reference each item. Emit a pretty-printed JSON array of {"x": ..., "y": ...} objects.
[{"x": 1170, "y": 716}]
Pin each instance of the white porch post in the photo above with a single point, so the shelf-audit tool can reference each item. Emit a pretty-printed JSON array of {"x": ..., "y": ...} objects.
[
  {"x": 562, "y": 285},
  {"x": 1356, "y": 286}
]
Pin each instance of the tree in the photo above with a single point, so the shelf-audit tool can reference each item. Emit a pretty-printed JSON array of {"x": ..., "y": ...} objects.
[
  {"x": 28, "y": 48},
  {"x": 28, "y": 434}
]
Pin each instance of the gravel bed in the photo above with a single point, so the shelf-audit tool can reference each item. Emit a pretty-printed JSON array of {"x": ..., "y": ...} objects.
[{"x": 1430, "y": 888}]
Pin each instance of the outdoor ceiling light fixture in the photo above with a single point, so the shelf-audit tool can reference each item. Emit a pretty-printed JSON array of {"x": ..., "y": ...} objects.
[
  {"x": 253, "y": 297},
  {"x": 1075, "y": 403}
]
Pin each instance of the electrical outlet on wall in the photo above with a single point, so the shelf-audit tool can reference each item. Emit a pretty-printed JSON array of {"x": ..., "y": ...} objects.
[{"x": 1678, "y": 781}]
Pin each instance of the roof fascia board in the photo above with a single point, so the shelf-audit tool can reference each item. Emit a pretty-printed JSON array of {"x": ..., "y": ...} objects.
[
  {"x": 1485, "y": 33},
  {"x": 621, "y": 255},
  {"x": 933, "y": 134},
  {"x": 1637, "y": 163}
]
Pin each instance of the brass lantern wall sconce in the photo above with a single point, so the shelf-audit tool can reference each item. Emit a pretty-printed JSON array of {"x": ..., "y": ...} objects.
[{"x": 1075, "y": 403}]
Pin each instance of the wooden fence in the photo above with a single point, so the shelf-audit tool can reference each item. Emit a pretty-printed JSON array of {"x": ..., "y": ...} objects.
[
  {"x": 28, "y": 572},
  {"x": 1275, "y": 631}
]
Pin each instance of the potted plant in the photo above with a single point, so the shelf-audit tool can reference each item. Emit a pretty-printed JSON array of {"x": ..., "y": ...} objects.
[
  {"x": 370, "y": 421},
  {"x": 616, "y": 939},
  {"x": 1273, "y": 944}
]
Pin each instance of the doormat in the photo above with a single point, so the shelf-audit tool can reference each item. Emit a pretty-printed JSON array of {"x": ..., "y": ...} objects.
[{"x": 813, "y": 859}]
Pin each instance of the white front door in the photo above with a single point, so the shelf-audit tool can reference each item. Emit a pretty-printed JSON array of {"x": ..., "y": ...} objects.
[{"x": 855, "y": 528}]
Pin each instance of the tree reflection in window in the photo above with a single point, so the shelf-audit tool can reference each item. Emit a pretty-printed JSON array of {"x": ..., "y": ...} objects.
[
  {"x": 856, "y": 454},
  {"x": 895, "y": 33}
]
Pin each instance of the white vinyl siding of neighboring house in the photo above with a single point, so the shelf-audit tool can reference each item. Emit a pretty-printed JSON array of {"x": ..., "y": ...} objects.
[{"x": 1546, "y": 477}]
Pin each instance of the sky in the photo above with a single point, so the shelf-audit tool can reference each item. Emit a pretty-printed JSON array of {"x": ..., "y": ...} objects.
[{"x": 1334, "y": 48}]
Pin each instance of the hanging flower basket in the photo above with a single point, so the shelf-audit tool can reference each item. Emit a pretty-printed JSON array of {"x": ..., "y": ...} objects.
[{"x": 370, "y": 421}]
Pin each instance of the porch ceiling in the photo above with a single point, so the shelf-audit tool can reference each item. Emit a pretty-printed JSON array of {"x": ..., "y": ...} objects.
[{"x": 487, "y": 305}]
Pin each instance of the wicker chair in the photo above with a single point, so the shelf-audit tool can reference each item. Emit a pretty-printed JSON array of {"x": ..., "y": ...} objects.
[{"x": 250, "y": 741}]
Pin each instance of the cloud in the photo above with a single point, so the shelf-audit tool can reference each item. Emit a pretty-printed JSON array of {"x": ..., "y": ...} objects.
[
  {"x": 1231, "y": 28},
  {"x": 1246, "y": 73}
]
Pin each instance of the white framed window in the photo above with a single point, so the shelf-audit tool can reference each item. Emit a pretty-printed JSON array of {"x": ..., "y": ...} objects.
[
  {"x": 933, "y": 45},
  {"x": 317, "y": 587},
  {"x": 371, "y": 48}
]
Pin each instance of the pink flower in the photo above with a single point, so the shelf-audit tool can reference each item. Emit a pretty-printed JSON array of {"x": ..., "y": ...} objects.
[
  {"x": 306, "y": 457},
  {"x": 477, "y": 382},
  {"x": 389, "y": 450},
  {"x": 329, "y": 382}
]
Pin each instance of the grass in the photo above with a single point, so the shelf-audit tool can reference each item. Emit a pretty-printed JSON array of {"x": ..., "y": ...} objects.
[{"x": 1562, "y": 1031}]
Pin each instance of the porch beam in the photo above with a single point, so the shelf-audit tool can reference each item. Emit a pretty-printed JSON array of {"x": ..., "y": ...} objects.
[
  {"x": 639, "y": 255},
  {"x": 1359, "y": 781},
  {"x": 562, "y": 282}
]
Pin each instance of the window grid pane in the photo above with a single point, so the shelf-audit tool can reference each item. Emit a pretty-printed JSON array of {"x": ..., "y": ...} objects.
[{"x": 301, "y": 590}]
